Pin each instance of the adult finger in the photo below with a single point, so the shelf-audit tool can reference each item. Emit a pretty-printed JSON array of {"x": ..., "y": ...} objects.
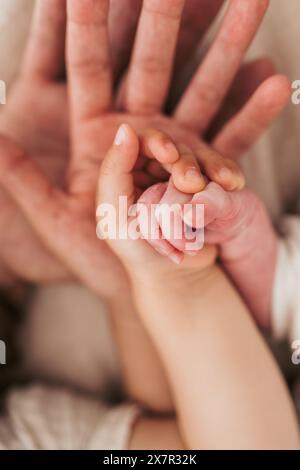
[
  {"x": 123, "y": 21},
  {"x": 88, "y": 58},
  {"x": 186, "y": 174},
  {"x": 206, "y": 92},
  {"x": 245, "y": 128},
  {"x": 221, "y": 170},
  {"x": 116, "y": 173},
  {"x": 250, "y": 76},
  {"x": 158, "y": 145},
  {"x": 149, "y": 74},
  {"x": 90, "y": 81},
  {"x": 45, "y": 54},
  {"x": 177, "y": 160},
  {"x": 196, "y": 20}
]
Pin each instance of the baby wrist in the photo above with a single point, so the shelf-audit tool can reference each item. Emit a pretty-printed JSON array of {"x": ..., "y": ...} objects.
[{"x": 248, "y": 235}]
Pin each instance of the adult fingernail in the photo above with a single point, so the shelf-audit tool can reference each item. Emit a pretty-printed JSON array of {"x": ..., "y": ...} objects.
[
  {"x": 225, "y": 174},
  {"x": 193, "y": 175},
  {"x": 236, "y": 179},
  {"x": 120, "y": 135},
  {"x": 171, "y": 148}
]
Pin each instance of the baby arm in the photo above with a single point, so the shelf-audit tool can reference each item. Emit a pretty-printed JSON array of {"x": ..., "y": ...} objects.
[
  {"x": 225, "y": 384},
  {"x": 238, "y": 222},
  {"x": 143, "y": 375}
]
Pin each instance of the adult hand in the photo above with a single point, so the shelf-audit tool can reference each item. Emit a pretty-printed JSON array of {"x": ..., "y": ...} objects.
[
  {"x": 257, "y": 95},
  {"x": 44, "y": 133},
  {"x": 63, "y": 219}
]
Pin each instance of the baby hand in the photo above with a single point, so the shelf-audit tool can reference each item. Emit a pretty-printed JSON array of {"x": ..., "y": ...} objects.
[
  {"x": 239, "y": 224},
  {"x": 235, "y": 221},
  {"x": 120, "y": 220},
  {"x": 216, "y": 216}
]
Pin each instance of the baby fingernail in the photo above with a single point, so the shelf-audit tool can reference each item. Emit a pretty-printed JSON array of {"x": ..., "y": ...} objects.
[
  {"x": 175, "y": 258},
  {"x": 162, "y": 251},
  {"x": 191, "y": 253},
  {"x": 120, "y": 135}
]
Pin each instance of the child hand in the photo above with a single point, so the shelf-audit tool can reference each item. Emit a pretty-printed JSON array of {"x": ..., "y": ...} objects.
[
  {"x": 227, "y": 214},
  {"x": 226, "y": 217},
  {"x": 239, "y": 224},
  {"x": 229, "y": 218},
  {"x": 117, "y": 186}
]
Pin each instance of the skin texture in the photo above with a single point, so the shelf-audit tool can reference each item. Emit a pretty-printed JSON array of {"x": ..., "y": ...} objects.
[
  {"x": 70, "y": 130},
  {"x": 244, "y": 388},
  {"x": 117, "y": 172},
  {"x": 235, "y": 221},
  {"x": 44, "y": 136},
  {"x": 53, "y": 216},
  {"x": 240, "y": 225},
  {"x": 239, "y": 28},
  {"x": 125, "y": 13},
  {"x": 201, "y": 353}
]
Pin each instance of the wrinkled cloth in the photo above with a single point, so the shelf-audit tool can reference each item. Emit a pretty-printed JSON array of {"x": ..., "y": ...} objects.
[
  {"x": 286, "y": 294},
  {"x": 41, "y": 417}
]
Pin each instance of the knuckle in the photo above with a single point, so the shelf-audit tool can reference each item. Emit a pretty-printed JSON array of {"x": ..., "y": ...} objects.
[
  {"x": 209, "y": 93},
  {"x": 169, "y": 9},
  {"x": 87, "y": 12},
  {"x": 89, "y": 66},
  {"x": 150, "y": 65},
  {"x": 14, "y": 162}
]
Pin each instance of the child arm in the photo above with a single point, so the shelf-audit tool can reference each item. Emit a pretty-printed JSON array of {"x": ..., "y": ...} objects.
[
  {"x": 227, "y": 389},
  {"x": 143, "y": 374},
  {"x": 238, "y": 222}
]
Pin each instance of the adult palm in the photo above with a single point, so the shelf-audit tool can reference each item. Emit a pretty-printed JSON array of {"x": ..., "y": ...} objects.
[{"x": 59, "y": 204}]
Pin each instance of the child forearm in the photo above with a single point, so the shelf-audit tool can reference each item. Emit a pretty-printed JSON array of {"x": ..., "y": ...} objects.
[
  {"x": 156, "y": 433},
  {"x": 239, "y": 223},
  {"x": 143, "y": 375},
  {"x": 250, "y": 261},
  {"x": 227, "y": 389}
]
